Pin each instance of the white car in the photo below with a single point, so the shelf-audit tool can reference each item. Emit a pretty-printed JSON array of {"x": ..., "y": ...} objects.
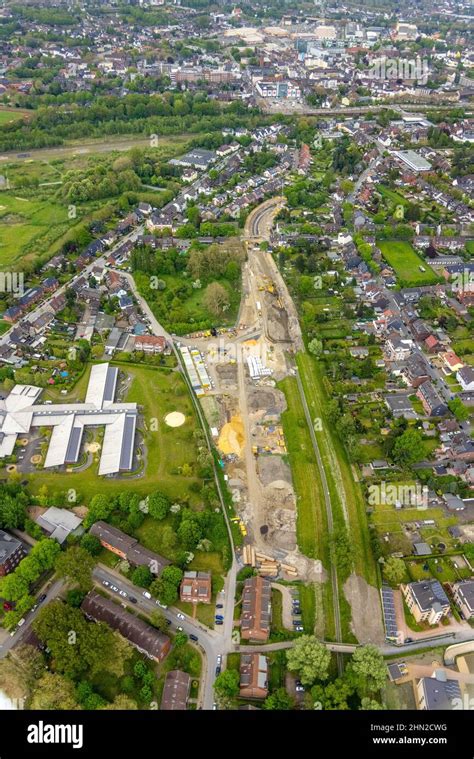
[
  {"x": 219, "y": 659},
  {"x": 104, "y": 582},
  {"x": 146, "y": 594},
  {"x": 181, "y": 616},
  {"x": 179, "y": 629},
  {"x": 122, "y": 593},
  {"x": 114, "y": 588}
]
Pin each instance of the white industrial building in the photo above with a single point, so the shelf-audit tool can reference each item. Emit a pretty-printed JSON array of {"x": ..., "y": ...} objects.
[{"x": 19, "y": 412}]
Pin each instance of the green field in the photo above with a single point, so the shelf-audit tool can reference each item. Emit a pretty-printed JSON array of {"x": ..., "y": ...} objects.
[
  {"x": 406, "y": 263},
  {"x": 7, "y": 116},
  {"x": 27, "y": 223},
  {"x": 158, "y": 392}
]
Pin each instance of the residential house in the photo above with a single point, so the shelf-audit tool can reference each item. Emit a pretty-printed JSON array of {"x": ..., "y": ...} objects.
[
  {"x": 150, "y": 344},
  {"x": 437, "y": 693},
  {"x": 127, "y": 548},
  {"x": 148, "y": 640},
  {"x": 175, "y": 691},
  {"x": 256, "y": 609},
  {"x": 196, "y": 587},
  {"x": 452, "y": 361},
  {"x": 432, "y": 403},
  {"x": 253, "y": 676},
  {"x": 11, "y": 553},
  {"x": 463, "y": 594},
  {"x": 427, "y": 601},
  {"x": 465, "y": 377}
]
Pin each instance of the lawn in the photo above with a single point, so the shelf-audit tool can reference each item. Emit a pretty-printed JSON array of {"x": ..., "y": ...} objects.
[
  {"x": 406, "y": 263},
  {"x": 158, "y": 392}
]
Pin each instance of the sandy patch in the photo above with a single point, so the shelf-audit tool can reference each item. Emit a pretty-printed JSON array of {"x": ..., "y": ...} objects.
[
  {"x": 92, "y": 447},
  {"x": 231, "y": 439},
  {"x": 35, "y": 459},
  {"x": 175, "y": 419},
  {"x": 366, "y": 609}
]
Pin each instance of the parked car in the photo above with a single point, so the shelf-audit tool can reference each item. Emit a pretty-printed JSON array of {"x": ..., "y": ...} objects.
[
  {"x": 180, "y": 629},
  {"x": 219, "y": 616},
  {"x": 219, "y": 606},
  {"x": 104, "y": 582},
  {"x": 218, "y": 671},
  {"x": 122, "y": 593},
  {"x": 299, "y": 688},
  {"x": 146, "y": 594},
  {"x": 180, "y": 616},
  {"x": 193, "y": 637},
  {"x": 219, "y": 622},
  {"x": 168, "y": 622},
  {"x": 42, "y": 598},
  {"x": 133, "y": 599}
]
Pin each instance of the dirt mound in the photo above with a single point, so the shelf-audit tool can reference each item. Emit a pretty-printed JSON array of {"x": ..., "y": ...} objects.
[
  {"x": 231, "y": 439},
  {"x": 175, "y": 419},
  {"x": 266, "y": 399},
  {"x": 279, "y": 494},
  {"x": 271, "y": 468}
]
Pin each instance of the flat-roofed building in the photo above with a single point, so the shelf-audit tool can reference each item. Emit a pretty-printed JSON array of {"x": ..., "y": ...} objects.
[
  {"x": 256, "y": 609},
  {"x": 59, "y": 523},
  {"x": 19, "y": 412},
  {"x": 253, "y": 676},
  {"x": 127, "y": 548},
  {"x": 176, "y": 691},
  {"x": 146, "y": 639},
  {"x": 196, "y": 587},
  {"x": 414, "y": 161}
]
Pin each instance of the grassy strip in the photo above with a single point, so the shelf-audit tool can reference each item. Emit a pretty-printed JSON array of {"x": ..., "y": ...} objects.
[
  {"x": 311, "y": 526},
  {"x": 341, "y": 483}
]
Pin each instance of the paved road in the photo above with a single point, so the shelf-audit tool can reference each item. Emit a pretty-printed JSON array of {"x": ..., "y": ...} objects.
[
  {"x": 52, "y": 592},
  {"x": 211, "y": 642}
]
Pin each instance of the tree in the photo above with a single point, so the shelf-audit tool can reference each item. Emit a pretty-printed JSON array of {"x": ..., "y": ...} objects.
[
  {"x": 315, "y": 347},
  {"x": 460, "y": 411},
  {"x": 158, "y": 620},
  {"x": 280, "y": 700},
  {"x": 216, "y": 299},
  {"x": 369, "y": 704},
  {"x": 91, "y": 543},
  {"x": 53, "y": 692},
  {"x": 76, "y": 565},
  {"x": 333, "y": 696},
  {"x": 77, "y": 646},
  {"x": 121, "y": 703},
  {"x": 165, "y": 588},
  {"x": 180, "y": 639},
  {"x": 142, "y": 576},
  {"x": 226, "y": 684},
  {"x": 310, "y": 658},
  {"x": 158, "y": 505},
  {"x": 394, "y": 570},
  {"x": 408, "y": 448},
  {"x": 367, "y": 670}
]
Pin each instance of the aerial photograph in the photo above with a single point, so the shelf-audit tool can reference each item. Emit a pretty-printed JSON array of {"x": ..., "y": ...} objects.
[{"x": 236, "y": 372}]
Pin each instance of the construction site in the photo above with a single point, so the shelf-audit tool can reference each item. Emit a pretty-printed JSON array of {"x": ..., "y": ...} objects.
[{"x": 243, "y": 406}]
